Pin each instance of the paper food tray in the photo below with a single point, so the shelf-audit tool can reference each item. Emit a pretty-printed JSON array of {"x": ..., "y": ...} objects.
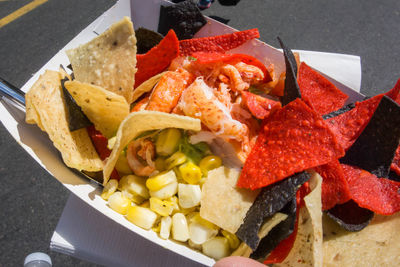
[{"x": 343, "y": 70}]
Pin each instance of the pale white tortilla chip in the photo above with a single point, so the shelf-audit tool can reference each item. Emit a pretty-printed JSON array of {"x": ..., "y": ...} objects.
[
  {"x": 141, "y": 121},
  {"x": 147, "y": 86},
  {"x": 307, "y": 249},
  {"x": 222, "y": 203},
  {"x": 109, "y": 60},
  {"x": 45, "y": 107},
  {"x": 104, "y": 108},
  {"x": 378, "y": 244}
]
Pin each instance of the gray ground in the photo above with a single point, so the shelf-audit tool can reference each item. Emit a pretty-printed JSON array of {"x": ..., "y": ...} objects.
[{"x": 31, "y": 201}]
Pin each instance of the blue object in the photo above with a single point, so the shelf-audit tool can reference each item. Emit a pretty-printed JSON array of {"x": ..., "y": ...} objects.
[{"x": 204, "y": 4}]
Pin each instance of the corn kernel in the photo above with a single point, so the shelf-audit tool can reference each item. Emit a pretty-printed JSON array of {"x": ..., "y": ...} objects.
[
  {"x": 217, "y": 247},
  {"x": 119, "y": 203},
  {"x": 200, "y": 233},
  {"x": 176, "y": 159},
  {"x": 198, "y": 219},
  {"x": 165, "y": 227},
  {"x": 167, "y": 141},
  {"x": 180, "y": 230},
  {"x": 135, "y": 185},
  {"x": 109, "y": 189},
  {"x": 233, "y": 241},
  {"x": 142, "y": 217},
  {"x": 190, "y": 172},
  {"x": 162, "y": 207},
  {"x": 165, "y": 192},
  {"x": 208, "y": 163},
  {"x": 189, "y": 195},
  {"x": 174, "y": 200},
  {"x": 160, "y": 180}
]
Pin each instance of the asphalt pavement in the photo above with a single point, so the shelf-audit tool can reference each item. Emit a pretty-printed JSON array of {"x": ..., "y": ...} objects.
[{"x": 31, "y": 201}]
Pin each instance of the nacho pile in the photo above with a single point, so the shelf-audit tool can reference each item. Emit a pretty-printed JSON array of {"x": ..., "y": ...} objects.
[{"x": 195, "y": 143}]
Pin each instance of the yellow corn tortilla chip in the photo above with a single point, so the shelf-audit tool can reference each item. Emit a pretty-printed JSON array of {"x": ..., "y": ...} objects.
[
  {"x": 104, "y": 108},
  {"x": 109, "y": 60},
  {"x": 244, "y": 250},
  {"x": 222, "y": 203},
  {"x": 378, "y": 244},
  {"x": 147, "y": 86},
  {"x": 45, "y": 107},
  {"x": 141, "y": 121},
  {"x": 307, "y": 249}
]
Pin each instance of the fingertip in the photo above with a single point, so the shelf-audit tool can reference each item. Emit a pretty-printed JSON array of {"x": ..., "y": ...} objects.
[{"x": 236, "y": 261}]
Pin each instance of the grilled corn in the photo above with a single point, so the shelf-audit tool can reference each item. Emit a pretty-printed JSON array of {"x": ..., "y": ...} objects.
[
  {"x": 134, "y": 185},
  {"x": 167, "y": 141},
  {"x": 160, "y": 180},
  {"x": 109, "y": 189},
  {"x": 217, "y": 247},
  {"x": 180, "y": 230},
  {"x": 162, "y": 207},
  {"x": 189, "y": 195},
  {"x": 119, "y": 202},
  {"x": 175, "y": 159},
  {"x": 165, "y": 229},
  {"x": 208, "y": 163},
  {"x": 142, "y": 217},
  {"x": 190, "y": 172}
]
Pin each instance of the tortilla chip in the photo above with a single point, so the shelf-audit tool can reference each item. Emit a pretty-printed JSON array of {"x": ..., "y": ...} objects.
[
  {"x": 307, "y": 249},
  {"x": 45, "y": 107},
  {"x": 139, "y": 122},
  {"x": 222, "y": 203},
  {"x": 376, "y": 245},
  {"x": 147, "y": 86},
  {"x": 244, "y": 250},
  {"x": 104, "y": 108},
  {"x": 109, "y": 60}
]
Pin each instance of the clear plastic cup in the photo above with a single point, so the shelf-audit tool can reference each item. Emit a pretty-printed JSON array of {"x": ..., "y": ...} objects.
[{"x": 37, "y": 259}]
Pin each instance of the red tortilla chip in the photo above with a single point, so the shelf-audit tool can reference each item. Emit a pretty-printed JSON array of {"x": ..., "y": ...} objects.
[
  {"x": 293, "y": 139},
  {"x": 207, "y": 58},
  {"x": 318, "y": 92},
  {"x": 157, "y": 59},
  {"x": 349, "y": 125},
  {"x": 335, "y": 189},
  {"x": 259, "y": 106},
  {"x": 219, "y": 44},
  {"x": 394, "y": 93},
  {"x": 379, "y": 195}
]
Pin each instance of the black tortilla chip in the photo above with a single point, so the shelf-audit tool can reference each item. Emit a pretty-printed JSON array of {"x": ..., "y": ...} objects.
[
  {"x": 394, "y": 176},
  {"x": 75, "y": 116},
  {"x": 292, "y": 89},
  {"x": 278, "y": 233},
  {"x": 184, "y": 18},
  {"x": 270, "y": 200},
  {"x": 350, "y": 216},
  {"x": 374, "y": 149},
  {"x": 146, "y": 39},
  {"x": 342, "y": 110}
]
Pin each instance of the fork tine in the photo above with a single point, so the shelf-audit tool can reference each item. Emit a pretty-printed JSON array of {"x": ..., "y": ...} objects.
[{"x": 11, "y": 92}]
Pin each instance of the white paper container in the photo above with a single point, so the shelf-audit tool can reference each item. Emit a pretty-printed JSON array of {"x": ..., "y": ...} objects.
[{"x": 37, "y": 144}]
